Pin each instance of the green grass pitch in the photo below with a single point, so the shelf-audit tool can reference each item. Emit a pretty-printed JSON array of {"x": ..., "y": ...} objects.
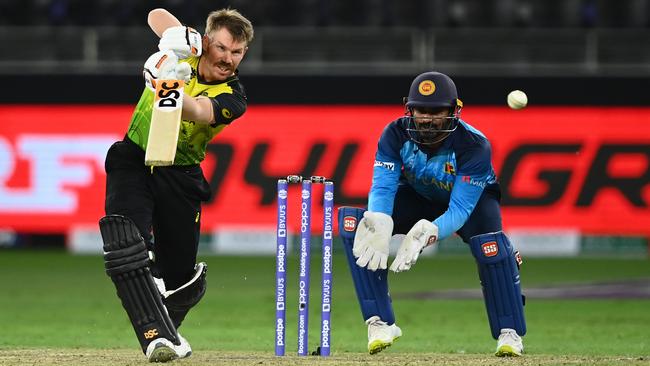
[{"x": 56, "y": 308}]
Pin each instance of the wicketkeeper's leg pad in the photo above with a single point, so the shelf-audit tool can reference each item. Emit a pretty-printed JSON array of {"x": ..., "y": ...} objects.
[
  {"x": 181, "y": 300},
  {"x": 371, "y": 287},
  {"x": 499, "y": 273},
  {"x": 127, "y": 262}
]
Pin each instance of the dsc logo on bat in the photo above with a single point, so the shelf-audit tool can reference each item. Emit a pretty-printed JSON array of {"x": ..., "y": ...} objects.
[{"x": 168, "y": 94}]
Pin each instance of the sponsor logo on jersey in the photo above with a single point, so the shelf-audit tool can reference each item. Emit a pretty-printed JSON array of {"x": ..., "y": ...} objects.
[
  {"x": 469, "y": 180},
  {"x": 385, "y": 164},
  {"x": 428, "y": 181}
]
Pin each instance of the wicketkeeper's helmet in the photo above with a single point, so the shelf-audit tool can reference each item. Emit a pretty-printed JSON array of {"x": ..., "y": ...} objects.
[{"x": 432, "y": 90}]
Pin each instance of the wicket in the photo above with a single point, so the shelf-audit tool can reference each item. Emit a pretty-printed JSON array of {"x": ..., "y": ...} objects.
[{"x": 304, "y": 267}]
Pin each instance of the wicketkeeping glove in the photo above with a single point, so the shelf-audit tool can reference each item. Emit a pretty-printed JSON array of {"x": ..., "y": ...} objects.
[
  {"x": 371, "y": 240},
  {"x": 184, "y": 41},
  {"x": 421, "y": 235}
]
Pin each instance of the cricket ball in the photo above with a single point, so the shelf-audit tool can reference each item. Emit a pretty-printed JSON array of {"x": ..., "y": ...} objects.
[{"x": 517, "y": 99}]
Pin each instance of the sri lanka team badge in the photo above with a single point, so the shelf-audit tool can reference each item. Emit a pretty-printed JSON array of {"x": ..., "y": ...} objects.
[{"x": 427, "y": 87}]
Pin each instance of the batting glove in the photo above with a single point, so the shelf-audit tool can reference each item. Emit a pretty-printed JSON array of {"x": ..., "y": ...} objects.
[
  {"x": 184, "y": 41},
  {"x": 159, "y": 66},
  {"x": 371, "y": 240},
  {"x": 421, "y": 235},
  {"x": 183, "y": 72}
]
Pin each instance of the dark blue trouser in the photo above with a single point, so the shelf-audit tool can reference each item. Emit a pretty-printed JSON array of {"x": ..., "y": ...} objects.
[
  {"x": 410, "y": 207},
  {"x": 482, "y": 231},
  {"x": 498, "y": 272}
]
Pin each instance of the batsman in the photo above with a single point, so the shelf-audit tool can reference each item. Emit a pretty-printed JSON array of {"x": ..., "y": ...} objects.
[
  {"x": 153, "y": 213},
  {"x": 432, "y": 177}
]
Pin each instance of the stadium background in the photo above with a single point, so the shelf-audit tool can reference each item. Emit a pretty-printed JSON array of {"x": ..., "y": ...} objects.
[{"x": 323, "y": 78}]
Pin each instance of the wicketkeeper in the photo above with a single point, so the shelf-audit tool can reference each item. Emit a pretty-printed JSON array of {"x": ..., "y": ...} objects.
[
  {"x": 432, "y": 177},
  {"x": 153, "y": 215}
]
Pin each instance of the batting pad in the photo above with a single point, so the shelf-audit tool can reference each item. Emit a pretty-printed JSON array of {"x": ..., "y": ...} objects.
[
  {"x": 127, "y": 264},
  {"x": 499, "y": 274},
  {"x": 371, "y": 287}
]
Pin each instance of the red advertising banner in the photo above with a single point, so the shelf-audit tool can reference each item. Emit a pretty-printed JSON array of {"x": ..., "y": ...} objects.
[{"x": 586, "y": 169}]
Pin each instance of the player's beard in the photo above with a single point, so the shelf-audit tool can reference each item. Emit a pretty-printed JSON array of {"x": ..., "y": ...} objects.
[
  {"x": 429, "y": 137},
  {"x": 431, "y": 141}
]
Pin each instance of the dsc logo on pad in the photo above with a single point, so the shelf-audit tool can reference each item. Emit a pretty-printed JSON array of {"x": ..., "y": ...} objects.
[{"x": 490, "y": 249}]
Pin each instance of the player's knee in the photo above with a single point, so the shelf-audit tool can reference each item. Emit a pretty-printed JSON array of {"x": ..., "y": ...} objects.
[
  {"x": 127, "y": 263},
  {"x": 124, "y": 248},
  {"x": 490, "y": 247}
]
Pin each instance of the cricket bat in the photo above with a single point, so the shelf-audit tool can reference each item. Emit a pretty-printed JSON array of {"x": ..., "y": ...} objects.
[{"x": 165, "y": 123}]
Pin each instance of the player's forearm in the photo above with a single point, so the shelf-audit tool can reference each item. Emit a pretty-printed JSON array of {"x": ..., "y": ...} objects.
[
  {"x": 160, "y": 19},
  {"x": 197, "y": 109}
]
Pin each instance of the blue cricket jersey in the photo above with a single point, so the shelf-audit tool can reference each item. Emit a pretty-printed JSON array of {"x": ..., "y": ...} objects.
[{"x": 455, "y": 174}]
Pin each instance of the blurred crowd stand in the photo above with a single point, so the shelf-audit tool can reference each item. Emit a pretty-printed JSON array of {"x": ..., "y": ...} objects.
[
  {"x": 324, "y": 13},
  {"x": 525, "y": 37}
]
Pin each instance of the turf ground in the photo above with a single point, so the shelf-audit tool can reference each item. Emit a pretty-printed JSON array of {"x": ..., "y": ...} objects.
[{"x": 58, "y": 309}]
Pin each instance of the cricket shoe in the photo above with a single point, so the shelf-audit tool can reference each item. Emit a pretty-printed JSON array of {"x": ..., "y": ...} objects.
[
  {"x": 509, "y": 344},
  {"x": 380, "y": 334},
  {"x": 161, "y": 350},
  {"x": 183, "y": 350}
]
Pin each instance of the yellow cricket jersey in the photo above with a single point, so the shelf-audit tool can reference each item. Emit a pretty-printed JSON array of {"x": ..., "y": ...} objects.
[{"x": 228, "y": 103}]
